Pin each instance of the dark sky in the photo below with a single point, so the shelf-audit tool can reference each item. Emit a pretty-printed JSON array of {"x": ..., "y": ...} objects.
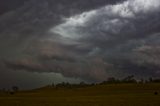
[
  {"x": 44, "y": 41},
  {"x": 9, "y": 5}
]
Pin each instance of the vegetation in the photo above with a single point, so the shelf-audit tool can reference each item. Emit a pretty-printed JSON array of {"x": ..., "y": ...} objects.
[{"x": 113, "y": 92}]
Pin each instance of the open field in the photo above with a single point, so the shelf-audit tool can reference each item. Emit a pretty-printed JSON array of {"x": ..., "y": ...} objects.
[{"x": 99, "y": 95}]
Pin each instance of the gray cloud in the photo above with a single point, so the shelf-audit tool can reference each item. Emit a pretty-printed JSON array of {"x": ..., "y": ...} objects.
[
  {"x": 116, "y": 30},
  {"x": 92, "y": 43}
]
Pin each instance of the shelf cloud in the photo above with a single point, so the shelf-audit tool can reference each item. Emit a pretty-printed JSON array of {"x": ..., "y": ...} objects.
[{"x": 107, "y": 40}]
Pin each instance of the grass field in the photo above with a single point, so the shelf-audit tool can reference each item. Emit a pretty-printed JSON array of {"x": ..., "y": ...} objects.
[{"x": 99, "y": 95}]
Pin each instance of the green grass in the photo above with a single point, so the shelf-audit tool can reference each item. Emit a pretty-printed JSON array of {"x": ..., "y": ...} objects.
[{"x": 99, "y": 95}]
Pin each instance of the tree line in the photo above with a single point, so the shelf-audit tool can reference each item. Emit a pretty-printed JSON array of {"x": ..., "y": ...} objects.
[{"x": 111, "y": 80}]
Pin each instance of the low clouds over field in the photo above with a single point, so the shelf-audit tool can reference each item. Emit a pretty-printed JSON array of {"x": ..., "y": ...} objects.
[{"x": 92, "y": 43}]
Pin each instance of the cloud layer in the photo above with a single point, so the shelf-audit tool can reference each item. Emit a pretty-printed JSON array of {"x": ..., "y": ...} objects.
[
  {"x": 93, "y": 43},
  {"x": 116, "y": 33}
]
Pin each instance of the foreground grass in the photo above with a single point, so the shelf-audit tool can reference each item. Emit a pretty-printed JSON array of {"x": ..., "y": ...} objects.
[{"x": 99, "y": 95}]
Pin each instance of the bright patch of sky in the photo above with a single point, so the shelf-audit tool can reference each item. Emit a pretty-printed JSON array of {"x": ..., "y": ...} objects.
[{"x": 128, "y": 9}]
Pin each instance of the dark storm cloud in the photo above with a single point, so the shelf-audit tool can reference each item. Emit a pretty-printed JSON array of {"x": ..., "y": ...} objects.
[
  {"x": 23, "y": 25},
  {"x": 81, "y": 69},
  {"x": 115, "y": 31},
  {"x": 10, "y": 5},
  {"x": 107, "y": 38}
]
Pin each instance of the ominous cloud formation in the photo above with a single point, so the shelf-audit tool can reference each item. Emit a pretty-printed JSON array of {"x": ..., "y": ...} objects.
[
  {"x": 80, "y": 40},
  {"x": 117, "y": 33}
]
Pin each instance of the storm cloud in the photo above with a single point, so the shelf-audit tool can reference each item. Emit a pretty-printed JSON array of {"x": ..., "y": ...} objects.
[{"x": 80, "y": 40}]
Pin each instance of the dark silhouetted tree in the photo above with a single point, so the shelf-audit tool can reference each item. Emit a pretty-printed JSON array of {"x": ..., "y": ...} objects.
[
  {"x": 15, "y": 89},
  {"x": 129, "y": 79}
]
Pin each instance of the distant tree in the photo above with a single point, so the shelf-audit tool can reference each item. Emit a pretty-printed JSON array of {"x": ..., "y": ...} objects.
[
  {"x": 93, "y": 84},
  {"x": 113, "y": 80},
  {"x": 156, "y": 81},
  {"x": 68, "y": 85},
  {"x": 63, "y": 85},
  {"x": 53, "y": 85},
  {"x": 151, "y": 79},
  {"x": 129, "y": 79},
  {"x": 15, "y": 88},
  {"x": 82, "y": 83},
  {"x": 103, "y": 83},
  {"x": 142, "y": 81}
]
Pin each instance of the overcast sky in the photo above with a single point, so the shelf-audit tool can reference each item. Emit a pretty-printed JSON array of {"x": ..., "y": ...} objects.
[{"x": 45, "y": 41}]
